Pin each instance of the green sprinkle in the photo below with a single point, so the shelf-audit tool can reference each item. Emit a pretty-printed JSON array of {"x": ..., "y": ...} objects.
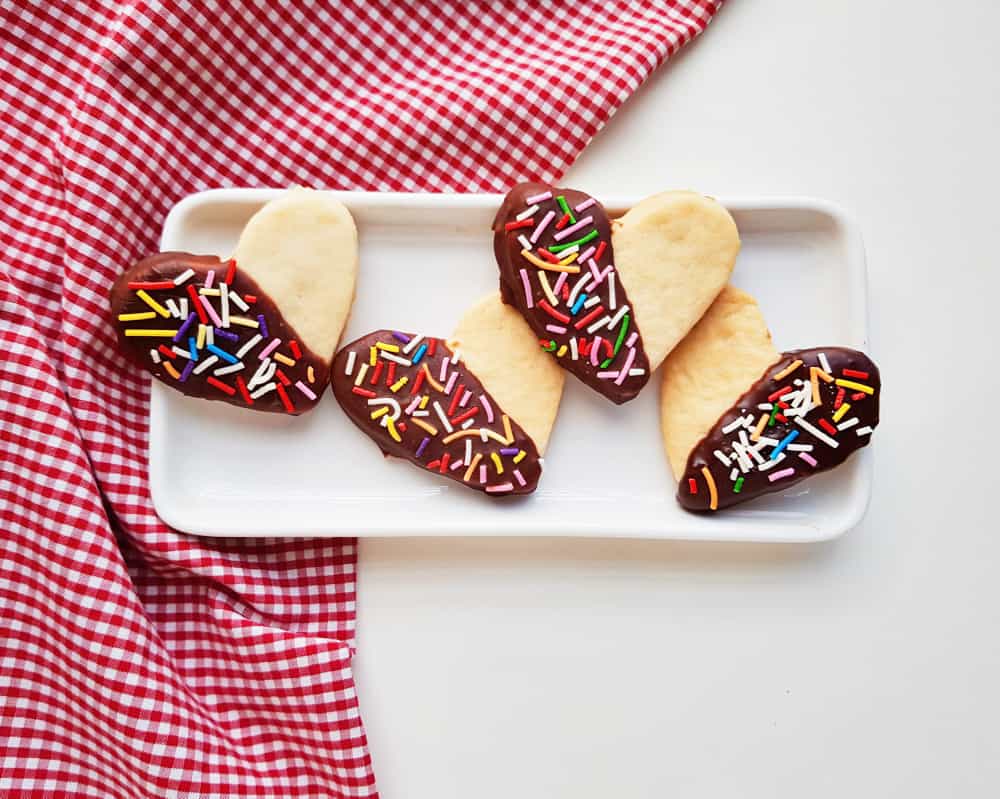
[
  {"x": 550, "y": 347},
  {"x": 560, "y": 247},
  {"x": 774, "y": 412},
  {"x": 565, "y": 208},
  {"x": 605, "y": 363},
  {"x": 621, "y": 333},
  {"x": 739, "y": 485}
]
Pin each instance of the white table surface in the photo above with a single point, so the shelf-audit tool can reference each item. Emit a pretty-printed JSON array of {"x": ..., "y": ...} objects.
[{"x": 865, "y": 667}]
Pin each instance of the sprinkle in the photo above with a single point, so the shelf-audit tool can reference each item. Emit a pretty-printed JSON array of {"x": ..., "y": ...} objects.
[
  {"x": 136, "y": 317},
  {"x": 808, "y": 458},
  {"x": 456, "y": 397},
  {"x": 482, "y": 473},
  {"x": 739, "y": 485},
  {"x": 784, "y": 443},
  {"x": 427, "y": 428},
  {"x": 210, "y": 335},
  {"x": 781, "y": 475},
  {"x": 827, "y": 426},
  {"x": 260, "y": 392},
  {"x": 220, "y": 385},
  {"x": 211, "y": 311},
  {"x": 363, "y": 392},
  {"x": 282, "y": 377},
  {"x": 824, "y": 362},
  {"x": 863, "y": 431},
  {"x": 713, "y": 494},
  {"x": 497, "y": 463},
  {"x": 174, "y": 309},
  {"x": 595, "y": 351},
  {"x": 520, "y": 223},
  {"x": 553, "y": 312},
  {"x": 226, "y": 334},
  {"x": 399, "y": 384},
  {"x": 816, "y": 432},
  {"x": 264, "y": 353},
  {"x": 171, "y": 370},
  {"x": 860, "y": 387},
  {"x": 142, "y": 295},
  {"x": 485, "y": 402},
  {"x": 759, "y": 428},
  {"x": 263, "y": 324},
  {"x": 563, "y": 221},
  {"x": 443, "y": 417},
  {"x": 422, "y": 447},
  {"x": 280, "y": 358},
  {"x": 228, "y": 370},
  {"x": 263, "y": 374},
  {"x": 787, "y": 370},
  {"x": 456, "y": 356},
  {"x": 243, "y": 390},
  {"x": 779, "y": 393},
  {"x": 208, "y": 363},
  {"x": 305, "y": 389},
  {"x": 580, "y": 302},
  {"x": 231, "y": 271},
  {"x": 527, "y": 212},
  {"x": 224, "y": 304},
  {"x": 528, "y": 299},
  {"x": 235, "y": 298},
  {"x": 451, "y": 382},
  {"x": 722, "y": 457},
  {"x": 183, "y": 277},
  {"x": 221, "y": 353},
  {"x": 574, "y": 351},
  {"x": 184, "y": 327},
  {"x": 149, "y": 333},
  {"x": 855, "y": 373},
  {"x": 245, "y": 321},
  {"x": 506, "y": 429},
  {"x": 826, "y": 378},
  {"x": 310, "y": 375},
  {"x": 249, "y": 345},
  {"x": 209, "y": 278},
  {"x": 733, "y": 425},
  {"x": 377, "y": 374},
  {"x": 848, "y": 424},
  {"x": 537, "y": 198},
  {"x": 559, "y": 267},
  {"x": 629, "y": 359},
  {"x": 843, "y": 409},
  {"x": 465, "y": 399},
  {"x": 525, "y": 244},
  {"x": 543, "y": 281},
  {"x": 546, "y": 220},
  {"x": 434, "y": 383},
  {"x": 192, "y": 349},
  {"x": 379, "y": 412},
  {"x": 562, "y": 234},
  {"x": 285, "y": 399}
]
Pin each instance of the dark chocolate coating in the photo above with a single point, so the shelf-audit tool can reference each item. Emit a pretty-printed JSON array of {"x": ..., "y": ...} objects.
[
  {"x": 166, "y": 266},
  {"x": 863, "y": 407},
  {"x": 379, "y": 379},
  {"x": 507, "y": 249}
]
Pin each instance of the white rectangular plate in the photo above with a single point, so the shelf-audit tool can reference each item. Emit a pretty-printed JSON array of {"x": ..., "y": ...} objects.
[{"x": 218, "y": 470}]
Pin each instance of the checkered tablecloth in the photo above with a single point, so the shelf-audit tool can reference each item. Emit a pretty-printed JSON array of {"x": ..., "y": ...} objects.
[{"x": 136, "y": 661}]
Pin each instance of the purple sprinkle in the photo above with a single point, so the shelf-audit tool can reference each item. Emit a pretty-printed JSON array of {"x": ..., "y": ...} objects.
[
  {"x": 423, "y": 446},
  {"x": 230, "y": 335},
  {"x": 187, "y": 371},
  {"x": 263, "y": 325},
  {"x": 509, "y": 450},
  {"x": 400, "y": 336},
  {"x": 187, "y": 323}
]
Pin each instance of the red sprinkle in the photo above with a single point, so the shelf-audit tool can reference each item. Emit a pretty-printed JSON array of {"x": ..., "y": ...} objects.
[
  {"x": 376, "y": 374},
  {"x": 418, "y": 382},
  {"x": 562, "y": 222},
  {"x": 692, "y": 483},
  {"x": 779, "y": 393},
  {"x": 860, "y": 395},
  {"x": 364, "y": 392},
  {"x": 390, "y": 373},
  {"x": 457, "y": 396},
  {"x": 565, "y": 293},
  {"x": 552, "y": 259},
  {"x": 467, "y": 415},
  {"x": 168, "y": 352},
  {"x": 600, "y": 251},
  {"x": 250, "y": 299},
  {"x": 283, "y": 377},
  {"x": 222, "y": 386},
  {"x": 855, "y": 373},
  {"x": 231, "y": 271},
  {"x": 293, "y": 345},
  {"x": 544, "y": 305},
  {"x": 160, "y": 284},
  {"x": 609, "y": 348},
  {"x": 583, "y": 347},
  {"x": 780, "y": 417},
  {"x": 589, "y": 317},
  {"x": 783, "y": 405},
  {"x": 434, "y": 463},
  {"x": 444, "y": 462},
  {"x": 202, "y": 316},
  {"x": 401, "y": 427},
  {"x": 433, "y": 347},
  {"x": 828, "y": 427},
  {"x": 285, "y": 400},
  {"x": 516, "y": 225},
  {"x": 243, "y": 390},
  {"x": 840, "y": 398}
]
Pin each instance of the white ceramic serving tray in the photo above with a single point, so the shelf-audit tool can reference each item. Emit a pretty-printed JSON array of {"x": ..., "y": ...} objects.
[{"x": 218, "y": 470}]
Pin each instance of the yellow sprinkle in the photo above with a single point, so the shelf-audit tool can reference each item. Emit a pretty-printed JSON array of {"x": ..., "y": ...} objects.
[
  {"x": 544, "y": 280},
  {"x": 372, "y": 355},
  {"x": 569, "y": 260},
  {"x": 391, "y": 427},
  {"x": 561, "y": 352},
  {"x": 202, "y": 332},
  {"x": 132, "y": 332},
  {"x": 380, "y": 412},
  {"x": 527, "y": 255},
  {"x": 507, "y": 430},
  {"x": 423, "y": 402},
  {"x": 760, "y": 427},
  {"x": 210, "y": 292},
  {"x": 839, "y": 413},
  {"x": 713, "y": 494},
  {"x": 817, "y": 400},
  {"x": 283, "y": 359},
  {"x": 472, "y": 467},
  {"x": 434, "y": 383},
  {"x": 520, "y": 456},
  {"x": 856, "y": 386},
  {"x": 244, "y": 321},
  {"x": 142, "y": 295},
  {"x": 497, "y": 462},
  {"x": 136, "y": 317},
  {"x": 387, "y": 347},
  {"x": 429, "y": 428},
  {"x": 311, "y": 375},
  {"x": 171, "y": 371},
  {"x": 398, "y": 384},
  {"x": 787, "y": 370},
  {"x": 361, "y": 374}
]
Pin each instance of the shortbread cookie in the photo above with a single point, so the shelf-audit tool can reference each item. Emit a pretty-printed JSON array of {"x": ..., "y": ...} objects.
[
  {"x": 807, "y": 414},
  {"x": 725, "y": 352},
  {"x": 258, "y": 330}
]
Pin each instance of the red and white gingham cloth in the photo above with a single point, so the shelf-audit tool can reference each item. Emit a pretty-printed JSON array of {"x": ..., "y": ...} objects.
[{"x": 136, "y": 661}]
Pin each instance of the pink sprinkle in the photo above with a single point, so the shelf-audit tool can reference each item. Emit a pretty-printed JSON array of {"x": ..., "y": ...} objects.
[
  {"x": 209, "y": 278},
  {"x": 211, "y": 311},
  {"x": 542, "y": 225},
  {"x": 537, "y": 198},
  {"x": 465, "y": 399},
  {"x": 456, "y": 465},
  {"x": 269, "y": 348},
  {"x": 623, "y": 373},
  {"x": 555, "y": 328},
  {"x": 305, "y": 390},
  {"x": 413, "y": 405},
  {"x": 607, "y": 375},
  {"x": 569, "y": 231},
  {"x": 632, "y": 339},
  {"x": 451, "y": 382},
  {"x": 528, "y": 299},
  {"x": 599, "y": 276},
  {"x": 559, "y": 282},
  {"x": 595, "y": 351},
  {"x": 487, "y": 407},
  {"x": 808, "y": 458},
  {"x": 520, "y": 478},
  {"x": 780, "y": 475},
  {"x": 499, "y": 488},
  {"x": 586, "y": 254},
  {"x": 482, "y": 474},
  {"x": 444, "y": 369},
  {"x": 585, "y": 204}
]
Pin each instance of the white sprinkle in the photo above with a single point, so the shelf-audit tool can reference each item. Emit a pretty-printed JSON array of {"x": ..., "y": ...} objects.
[
  {"x": 526, "y": 213},
  {"x": 769, "y": 464},
  {"x": 592, "y": 301},
  {"x": 848, "y": 423},
  {"x": 569, "y": 251},
  {"x": 411, "y": 344},
  {"x": 456, "y": 356},
  {"x": 260, "y": 392},
  {"x": 617, "y": 317},
  {"x": 224, "y": 301},
  {"x": 863, "y": 431},
  {"x": 420, "y": 413},
  {"x": 734, "y": 474},
  {"x": 612, "y": 300},
  {"x": 205, "y": 364},
  {"x": 228, "y": 370},
  {"x": 824, "y": 363},
  {"x": 468, "y": 450},
  {"x": 155, "y": 355},
  {"x": 390, "y": 357},
  {"x": 264, "y": 373},
  {"x": 525, "y": 244},
  {"x": 765, "y": 406},
  {"x": 361, "y": 374},
  {"x": 443, "y": 417},
  {"x": 468, "y": 423},
  {"x": 210, "y": 335},
  {"x": 250, "y": 344},
  {"x": 815, "y": 431},
  {"x": 722, "y": 457},
  {"x": 800, "y": 447},
  {"x": 351, "y": 358},
  {"x": 733, "y": 425},
  {"x": 741, "y": 457},
  {"x": 237, "y": 300},
  {"x": 769, "y": 442},
  {"x": 172, "y": 307},
  {"x": 636, "y": 372},
  {"x": 577, "y": 288},
  {"x": 183, "y": 277},
  {"x": 604, "y": 320},
  {"x": 184, "y": 307},
  {"x": 573, "y": 352},
  {"x": 482, "y": 434},
  {"x": 182, "y": 353}
]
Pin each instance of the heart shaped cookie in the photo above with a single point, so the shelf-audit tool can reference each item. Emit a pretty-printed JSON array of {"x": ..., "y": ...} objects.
[
  {"x": 419, "y": 398},
  {"x": 258, "y": 330},
  {"x": 808, "y": 412},
  {"x": 607, "y": 299}
]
